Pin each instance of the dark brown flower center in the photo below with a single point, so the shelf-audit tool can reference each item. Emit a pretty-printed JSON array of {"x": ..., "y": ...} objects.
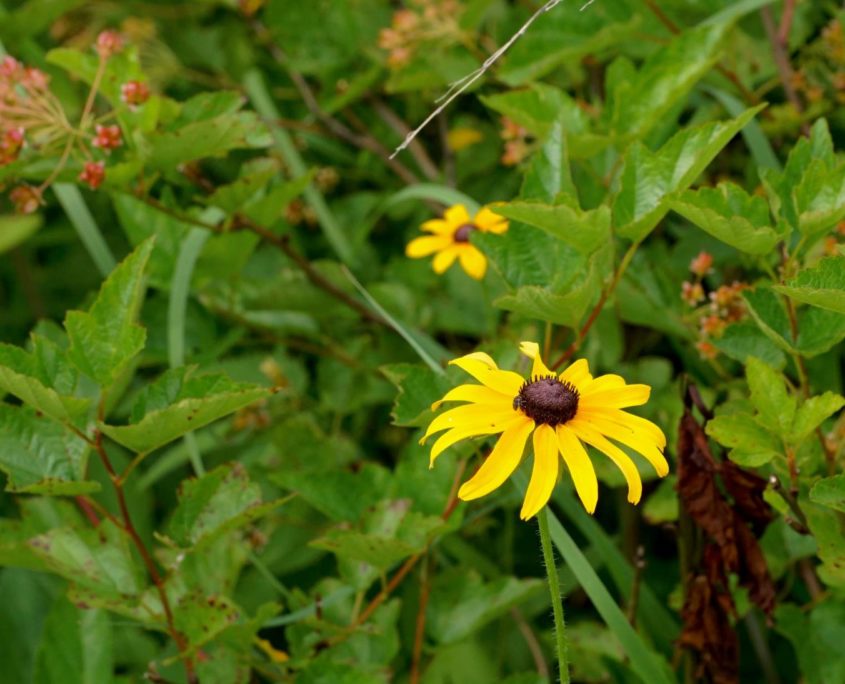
[
  {"x": 463, "y": 232},
  {"x": 547, "y": 401}
]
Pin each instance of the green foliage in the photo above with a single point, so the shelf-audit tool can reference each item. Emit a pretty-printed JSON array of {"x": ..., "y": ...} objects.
[{"x": 217, "y": 361}]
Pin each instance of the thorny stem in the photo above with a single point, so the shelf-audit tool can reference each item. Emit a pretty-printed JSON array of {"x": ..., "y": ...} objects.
[
  {"x": 129, "y": 527},
  {"x": 594, "y": 314},
  {"x": 554, "y": 591},
  {"x": 639, "y": 566}
]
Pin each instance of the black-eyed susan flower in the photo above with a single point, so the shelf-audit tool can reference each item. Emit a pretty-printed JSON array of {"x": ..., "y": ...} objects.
[
  {"x": 449, "y": 239},
  {"x": 562, "y": 413}
]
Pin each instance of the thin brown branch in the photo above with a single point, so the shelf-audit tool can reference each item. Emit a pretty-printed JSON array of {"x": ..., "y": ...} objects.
[
  {"x": 129, "y": 527},
  {"x": 729, "y": 74},
  {"x": 786, "y": 22},
  {"x": 428, "y": 167},
  {"x": 532, "y": 643},
  {"x": 799, "y": 524},
  {"x": 337, "y": 128},
  {"x": 781, "y": 57},
  {"x": 594, "y": 314},
  {"x": 419, "y": 630},
  {"x": 282, "y": 242}
]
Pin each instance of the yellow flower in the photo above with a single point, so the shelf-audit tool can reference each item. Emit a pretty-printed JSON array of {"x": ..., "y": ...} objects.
[
  {"x": 563, "y": 412},
  {"x": 450, "y": 239}
]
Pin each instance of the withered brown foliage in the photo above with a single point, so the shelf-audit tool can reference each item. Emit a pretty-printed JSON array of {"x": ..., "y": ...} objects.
[{"x": 726, "y": 503}]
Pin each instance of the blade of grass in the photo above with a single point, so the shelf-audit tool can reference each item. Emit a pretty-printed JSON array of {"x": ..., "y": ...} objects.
[
  {"x": 416, "y": 341},
  {"x": 754, "y": 137},
  {"x": 651, "y": 613},
  {"x": 432, "y": 191},
  {"x": 735, "y": 11},
  {"x": 645, "y": 662},
  {"x": 180, "y": 289},
  {"x": 86, "y": 227},
  {"x": 256, "y": 88}
]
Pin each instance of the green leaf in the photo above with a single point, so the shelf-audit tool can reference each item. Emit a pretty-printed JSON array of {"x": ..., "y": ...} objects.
[
  {"x": 731, "y": 215},
  {"x": 43, "y": 379},
  {"x": 743, "y": 339},
  {"x": 751, "y": 444},
  {"x": 216, "y": 503},
  {"x": 16, "y": 229},
  {"x": 341, "y": 494},
  {"x": 201, "y": 618},
  {"x": 105, "y": 340},
  {"x": 585, "y": 231},
  {"x": 207, "y": 138},
  {"x": 641, "y": 101},
  {"x": 549, "y": 175},
  {"x": 539, "y": 109},
  {"x": 775, "y": 405},
  {"x": 96, "y": 560},
  {"x": 830, "y": 492},
  {"x": 827, "y": 527},
  {"x": 418, "y": 388},
  {"x": 815, "y": 636},
  {"x": 649, "y": 178},
  {"x": 770, "y": 314},
  {"x": 813, "y": 412},
  {"x": 822, "y": 285},
  {"x": 387, "y": 535},
  {"x": 462, "y": 603},
  {"x": 40, "y": 456},
  {"x": 177, "y": 403},
  {"x": 76, "y": 646},
  {"x": 567, "y": 34},
  {"x": 809, "y": 194}
]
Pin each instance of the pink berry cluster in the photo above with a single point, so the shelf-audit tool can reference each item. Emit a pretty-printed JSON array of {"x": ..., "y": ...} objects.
[
  {"x": 33, "y": 122},
  {"x": 725, "y": 305},
  {"x": 424, "y": 22}
]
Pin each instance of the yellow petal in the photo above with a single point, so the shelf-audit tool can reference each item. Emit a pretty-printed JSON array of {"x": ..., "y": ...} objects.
[
  {"x": 427, "y": 244},
  {"x": 629, "y": 420},
  {"x": 544, "y": 472},
  {"x": 457, "y": 216},
  {"x": 604, "y": 383},
  {"x": 506, "y": 382},
  {"x": 501, "y": 462},
  {"x": 532, "y": 351},
  {"x": 622, "y": 397},
  {"x": 478, "y": 394},
  {"x": 473, "y": 262},
  {"x": 638, "y": 441},
  {"x": 489, "y": 222},
  {"x": 438, "y": 227},
  {"x": 455, "y": 435},
  {"x": 469, "y": 415},
  {"x": 632, "y": 476},
  {"x": 577, "y": 374},
  {"x": 580, "y": 467},
  {"x": 444, "y": 259}
]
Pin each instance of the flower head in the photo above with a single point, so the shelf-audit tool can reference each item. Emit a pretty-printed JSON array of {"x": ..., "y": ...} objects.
[
  {"x": 563, "y": 412},
  {"x": 107, "y": 138},
  {"x": 108, "y": 43},
  {"x": 25, "y": 198},
  {"x": 134, "y": 93},
  {"x": 449, "y": 239},
  {"x": 93, "y": 174}
]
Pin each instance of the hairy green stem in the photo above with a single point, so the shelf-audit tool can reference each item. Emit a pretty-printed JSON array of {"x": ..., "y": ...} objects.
[{"x": 554, "y": 590}]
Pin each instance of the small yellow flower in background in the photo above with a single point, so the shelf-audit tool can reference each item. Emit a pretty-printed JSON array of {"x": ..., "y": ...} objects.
[
  {"x": 563, "y": 412},
  {"x": 449, "y": 239}
]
